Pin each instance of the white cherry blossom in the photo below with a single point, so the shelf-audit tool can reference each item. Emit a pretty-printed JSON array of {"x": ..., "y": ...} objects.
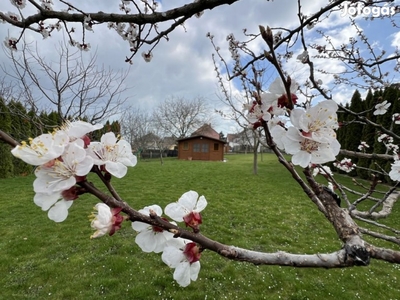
[
  {"x": 392, "y": 147},
  {"x": 306, "y": 151},
  {"x": 105, "y": 220},
  {"x": 151, "y": 238},
  {"x": 18, "y": 3},
  {"x": 303, "y": 57},
  {"x": 183, "y": 255},
  {"x": 381, "y": 108},
  {"x": 42, "y": 149},
  {"x": 56, "y": 205},
  {"x": 116, "y": 155},
  {"x": 317, "y": 122},
  {"x": 323, "y": 170},
  {"x": 277, "y": 92},
  {"x": 78, "y": 129},
  {"x": 257, "y": 113},
  {"x": 277, "y": 131},
  {"x": 147, "y": 56},
  {"x": 61, "y": 174},
  {"x": 187, "y": 209}
]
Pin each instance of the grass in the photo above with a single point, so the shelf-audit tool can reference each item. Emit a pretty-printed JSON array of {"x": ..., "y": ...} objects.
[{"x": 40, "y": 259}]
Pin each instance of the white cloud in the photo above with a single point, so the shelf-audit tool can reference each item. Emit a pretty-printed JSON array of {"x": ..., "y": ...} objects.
[{"x": 396, "y": 39}]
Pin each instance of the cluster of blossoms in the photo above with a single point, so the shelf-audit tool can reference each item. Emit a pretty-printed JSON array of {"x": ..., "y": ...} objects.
[
  {"x": 363, "y": 146},
  {"x": 345, "y": 165},
  {"x": 272, "y": 103},
  {"x": 311, "y": 139},
  {"x": 387, "y": 140},
  {"x": 178, "y": 253},
  {"x": 64, "y": 158},
  {"x": 322, "y": 170}
]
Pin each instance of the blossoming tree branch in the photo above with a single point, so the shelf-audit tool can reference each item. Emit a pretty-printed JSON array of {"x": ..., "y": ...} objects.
[{"x": 307, "y": 131}]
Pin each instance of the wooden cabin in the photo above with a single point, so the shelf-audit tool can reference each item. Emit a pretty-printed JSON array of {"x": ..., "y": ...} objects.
[{"x": 203, "y": 144}]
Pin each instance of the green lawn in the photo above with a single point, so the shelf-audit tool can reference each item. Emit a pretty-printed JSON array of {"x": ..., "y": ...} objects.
[{"x": 40, "y": 259}]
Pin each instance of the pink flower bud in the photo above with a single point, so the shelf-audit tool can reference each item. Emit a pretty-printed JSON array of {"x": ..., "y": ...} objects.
[
  {"x": 192, "y": 252},
  {"x": 283, "y": 101},
  {"x": 116, "y": 220},
  {"x": 193, "y": 220}
]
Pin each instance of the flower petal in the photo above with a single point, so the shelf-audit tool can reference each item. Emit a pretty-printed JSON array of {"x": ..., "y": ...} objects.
[
  {"x": 175, "y": 211},
  {"x": 45, "y": 201},
  {"x": 172, "y": 256},
  {"x": 301, "y": 158},
  {"x": 139, "y": 226},
  {"x": 116, "y": 169},
  {"x": 194, "y": 270},
  {"x": 182, "y": 274},
  {"x": 201, "y": 204},
  {"x": 188, "y": 200},
  {"x": 59, "y": 212},
  {"x": 146, "y": 240}
]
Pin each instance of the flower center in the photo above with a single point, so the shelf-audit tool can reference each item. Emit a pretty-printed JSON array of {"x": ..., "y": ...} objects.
[
  {"x": 283, "y": 100},
  {"x": 157, "y": 229},
  {"x": 309, "y": 145},
  {"x": 192, "y": 252}
]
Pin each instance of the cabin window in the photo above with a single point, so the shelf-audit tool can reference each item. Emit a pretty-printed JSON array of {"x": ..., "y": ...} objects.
[
  {"x": 185, "y": 146},
  {"x": 196, "y": 147},
  {"x": 204, "y": 148},
  {"x": 216, "y": 146}
]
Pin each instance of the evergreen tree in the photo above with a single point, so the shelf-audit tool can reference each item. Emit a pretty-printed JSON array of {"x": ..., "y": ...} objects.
[
  {"x": 353, "y": 126},
  {"x": 20, "y": 130},
  {"x": 341, "y": 132},
  {"x": 6, "y": 161},
  {"x": 53, "y": 121},
  {"x": 115, "y": 127},
  {"x": 368, "y": 135},
  {"x": 35, "y": 129},
  {"x": 391, "y": 95},
  {"x": 396, "y": 109}
]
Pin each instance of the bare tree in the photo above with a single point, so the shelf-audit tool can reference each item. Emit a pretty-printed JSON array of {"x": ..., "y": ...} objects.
[
  {"x": 179, "y": 117},
  {"x": 162, "y": 140},
  {"x": 71, "y": 86},
  {"x": 136, "y": 126}
]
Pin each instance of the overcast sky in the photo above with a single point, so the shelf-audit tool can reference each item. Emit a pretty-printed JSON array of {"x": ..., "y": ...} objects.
[{"x": 183, "y": 67}]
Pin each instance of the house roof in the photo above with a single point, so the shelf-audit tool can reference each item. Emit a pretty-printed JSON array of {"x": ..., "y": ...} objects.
[
  {"x": 206, "y": 130},
  {"x": 200, "y": 136}
]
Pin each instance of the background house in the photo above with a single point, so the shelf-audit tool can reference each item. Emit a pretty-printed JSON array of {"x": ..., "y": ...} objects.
[
  {"x": 241, "y": 142},
  {"x": 203, "y": 144},
  {"x": 153, "y": 146}
]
